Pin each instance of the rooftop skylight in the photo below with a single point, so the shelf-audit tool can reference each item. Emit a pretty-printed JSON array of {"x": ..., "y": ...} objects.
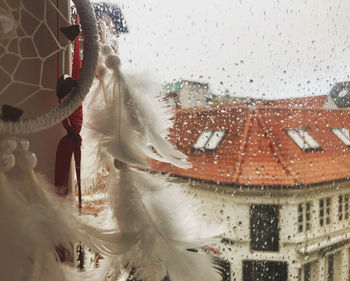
[
  {"x": 342, "y": 134},
  {"x": 209, "y": 140},
  {"x": 303, "y": 139}
]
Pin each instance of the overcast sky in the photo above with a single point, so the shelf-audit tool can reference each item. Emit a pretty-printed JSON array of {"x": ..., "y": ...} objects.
[{"x": 256, "y": 48}]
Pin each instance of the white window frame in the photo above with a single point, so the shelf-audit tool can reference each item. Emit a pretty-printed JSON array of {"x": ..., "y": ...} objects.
[
  {"x": 303, "y": 140},
  {"x": 209, "y": 140},
  {"x": 325, "y": 211},
  {"x": 342, "y": 134},
  {"x": 304, "y": 216},
  {"x": 343, "y": 207}
]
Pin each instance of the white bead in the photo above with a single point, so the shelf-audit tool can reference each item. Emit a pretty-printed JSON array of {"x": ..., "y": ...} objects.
[
  {"x": 101, "y": 71},
  {"x": 100, "y": 59},
  {"x": 26, "y": 160},
  {"x": 22, "y": 144},
  {"x": 106, "y": 50},
  {"x": 8, "y": 144},
  {"x": 112, "y": 62},
  {"x": 7, "y": 161},
  {"x": 7, "y": 25}
]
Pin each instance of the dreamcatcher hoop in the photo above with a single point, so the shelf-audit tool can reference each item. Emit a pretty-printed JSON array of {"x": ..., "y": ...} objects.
[{"x": 75, "y": 98}]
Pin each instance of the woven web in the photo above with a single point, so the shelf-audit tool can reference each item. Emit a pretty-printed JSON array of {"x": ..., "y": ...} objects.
[{"x": 29, "y": 58}]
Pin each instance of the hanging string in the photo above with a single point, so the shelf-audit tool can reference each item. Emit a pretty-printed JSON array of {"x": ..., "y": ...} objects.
[
  {"x": 71, "y": 143},
  {"x": 58, "y": 38}
]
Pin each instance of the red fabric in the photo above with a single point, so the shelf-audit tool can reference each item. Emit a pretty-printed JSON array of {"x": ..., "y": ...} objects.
[
  {"x": 71, "y": 143},
  {"x": 209, "y": 249},
  {"x": 63, "y": 157}
]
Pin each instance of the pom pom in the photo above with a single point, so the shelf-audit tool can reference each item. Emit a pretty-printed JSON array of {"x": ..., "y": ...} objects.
[
  {"x": 7, "y": 161},
  {"x": 8, "y": 144},
  {"x": 106, "y": 50},
  {"x": 100, "y": 60},
  {"x": 101, "y": 71},
  {"x": 112, "y": 62},
  {"x": 22, "y": 144},
  {"x": 26, "y": 160}
]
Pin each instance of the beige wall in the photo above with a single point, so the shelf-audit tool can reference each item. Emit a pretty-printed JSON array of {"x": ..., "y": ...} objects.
[
  {"x": 192, "y": 96},
  {"x": 229, "y": 206}
]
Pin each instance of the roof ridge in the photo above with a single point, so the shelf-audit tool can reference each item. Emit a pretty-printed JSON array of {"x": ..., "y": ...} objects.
[
  {"x": 275, "y": 149},
  {"x": 243, "y": 147},
  {"x": 245, "y": 106}
]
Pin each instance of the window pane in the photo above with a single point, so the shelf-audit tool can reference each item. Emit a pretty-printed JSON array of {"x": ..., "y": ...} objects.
[
  {"x": 202, "y": 140},
  {"x": 307, "y": 272},
  {"x": 321, "y": 203},
  {"x": 214, "y": 140},
  {"x": 265, "y": 270},
  {"x": 330, "y": 266},
  {"x": 308, "y": 139},
  {"x": 303, "y": 139},
  {"x": 298, "y": 139},
  {"x": 308, "y": 206},
  {"x": 300, "y": 208},
  {"x": 264, "y": 231},
  {"x": 342, "y": 134}
]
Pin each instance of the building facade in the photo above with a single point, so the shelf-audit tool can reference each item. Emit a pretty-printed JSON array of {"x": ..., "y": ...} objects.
[
  {"x": 282, "y": 234},
  {"x": 187, "y": 94},
  {"x": 275, "y": 174}
]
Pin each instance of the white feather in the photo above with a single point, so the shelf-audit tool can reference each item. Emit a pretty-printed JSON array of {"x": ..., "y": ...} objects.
[
  {"x": 35, "y": 221},
  {"x": 111, "y": 130},
  {"x": 131, "y": 119},
  {"x": 64, "y": 223},
  {"x": 153, "y": 115},
  {"x": 28, "y": 238},
  {"x": 130, "y": 123},
  {"x": 167, "y": 224},
  {"x": 94, "y": 158},
  {"x": 111, "y": 242}
]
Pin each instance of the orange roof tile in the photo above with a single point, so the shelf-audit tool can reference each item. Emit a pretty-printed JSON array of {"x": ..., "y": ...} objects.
[
  {"x": 256, "y": 149},
  {"x": 310, "y": 102}
]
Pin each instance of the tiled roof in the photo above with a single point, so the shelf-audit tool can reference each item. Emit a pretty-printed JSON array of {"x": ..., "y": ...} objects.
[
  {"x": 256, "y": 149},
  {"x": 312, "y": 101}
]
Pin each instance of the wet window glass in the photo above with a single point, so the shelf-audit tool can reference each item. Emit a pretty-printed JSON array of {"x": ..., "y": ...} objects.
[{"x": 241, "y": 107}]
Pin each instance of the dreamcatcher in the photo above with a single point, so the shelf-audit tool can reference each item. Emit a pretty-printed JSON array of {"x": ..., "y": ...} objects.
[
  {"x": 35, "y": 222},
  {"x": 157, "y": 227}
]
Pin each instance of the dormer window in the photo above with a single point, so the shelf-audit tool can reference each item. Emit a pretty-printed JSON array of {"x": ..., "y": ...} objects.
[
  {"x": 303, "y": 139},
  {"x": 340, "y": 93},
  {"x": 342, "y": 134},
  {"x": 209, "y": 140}
]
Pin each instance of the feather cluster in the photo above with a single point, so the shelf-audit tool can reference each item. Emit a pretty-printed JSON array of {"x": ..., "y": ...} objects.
[
  {"x": 37, "y": 224},
  {"x": 129, "y": 123},
  {"x": 130, "y": 118},
  {"x": 34, "y": 224},
  {"x": 168, "y": 224}
]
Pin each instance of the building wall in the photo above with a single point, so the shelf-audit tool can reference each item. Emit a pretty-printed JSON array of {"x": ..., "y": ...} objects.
[
  {"x": 229, "y": 206},
  {"x": 193, "y": 95}
]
